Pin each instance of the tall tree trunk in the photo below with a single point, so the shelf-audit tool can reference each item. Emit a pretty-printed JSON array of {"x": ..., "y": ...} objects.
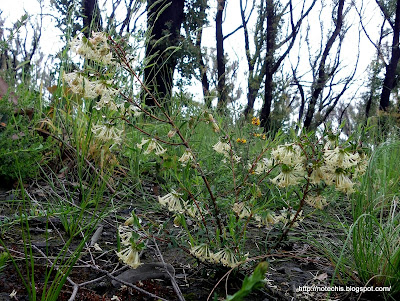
[
  {"x": 389, "y": 83},
  {"x": 91, "y": 16},
  {"x": 164, "y": 19},
  {"x": 205, "y": 83},
  {"x": 272, "y": 28},
  {"x": 323, "y": 77},
  {"x": 222, "y": 93}
]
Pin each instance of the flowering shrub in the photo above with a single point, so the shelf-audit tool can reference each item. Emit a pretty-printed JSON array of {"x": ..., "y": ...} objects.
[{"x": 220, "y": 186}]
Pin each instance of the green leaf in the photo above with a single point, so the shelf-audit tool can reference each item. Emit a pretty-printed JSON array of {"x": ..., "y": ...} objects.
[{"x": 253, "y": 282}]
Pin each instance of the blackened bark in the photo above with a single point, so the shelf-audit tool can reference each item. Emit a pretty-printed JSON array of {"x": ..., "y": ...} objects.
[
  {"x": 253, "y": 81},
  {"x": 272, "y": 29},
  {"x": 205, "y": 83},
  {"x": 389, "y": 83},
  {"x": 323, "y": 77},
  {"x": 91, "y": 16},
  {"x": 165, "y": 20},
  {"x": 222, "y": 93}
]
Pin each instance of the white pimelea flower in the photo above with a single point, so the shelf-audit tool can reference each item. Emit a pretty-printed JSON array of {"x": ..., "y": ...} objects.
[
  {"x": 125, "y": 234},
  {"x": 201, "y": 252},
  {"x": 318, "y": 201},
  {"x": 143, "y": 142},
  {"x": 186, "y": 157},
  {"x": 289, "y": 176},
  {"x": 288, "y": 154},
  {"x": 107, "y": 133},
  {"x": 95, "y": 48},
  {"x": 13, "y": 294},
  {"x": 97, "y": 247},
  {"x": 173, "y": 201},
  {"x": 106, "y": 101},
  {"x": 130, "y": 256},
  {"x": 343, "y": 183},
  {"x": 93, "y": 88},
  {"x": 226, "y": 257},
  {"x": 317, "y": 175},
  {"x": 75, "y": 82},
  {"x": 362, "y": 165},
  {"x": 171, "y": 133},
  {"x": 152, "y": 146},
  {"x": 193, "y": 211},
  {"x": 222, "y": 148},
  {"x": 263, "y": 165},
  {"x": 269, "y": 219},
  {"x": 241, "y": 210},
  {"x": 236, "y": 158},
  {"x": 339, "y": 157},
  {"x": 129, "y": 110}
]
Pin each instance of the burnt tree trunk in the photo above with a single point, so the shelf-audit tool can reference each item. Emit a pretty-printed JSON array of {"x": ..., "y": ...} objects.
[
  {"x": 164, "y": 19},
  {"x": 270, "y": 67},
  {"x": 222, "y": 93},
  {"x": 389, "y": 83},
  {"x": 91, "y": 16},
  {"x": 323, "y": 77}
]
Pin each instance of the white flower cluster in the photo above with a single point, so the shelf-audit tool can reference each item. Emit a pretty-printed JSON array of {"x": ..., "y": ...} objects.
[
  {"x": 263, "y": 165},
  {"x": 93, "y": 89},
  {"x": 225, "y": 149},
  {"x": 153, "y": 145},
  {"x": 339, "y": 167},
  {"x": 186, "y": 157},
  {"x": 95, "y": 48},
  {"x": 291, "y": 159},
  {"x": 175, "y": 203},
  {"x": 106, "y": 133},
  {"x": 129, "y": 255},
  {"x": 262, "y": 220},
  {"x": 225, "y": 256}
]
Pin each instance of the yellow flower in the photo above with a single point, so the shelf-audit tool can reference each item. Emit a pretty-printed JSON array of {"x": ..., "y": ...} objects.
[
  {"x": 255, "y": 121},
  {"x": 241, "y": 140}
]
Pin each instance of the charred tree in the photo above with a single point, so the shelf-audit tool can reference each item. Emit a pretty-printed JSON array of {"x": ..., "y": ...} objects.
[
  {"x": 272, "y": 61},
  {"x": 221, "y": 88},
  {"x": 391, "y": 72},
  {"x": 323, "y": 75},
  {"x": 91, "y": 16},
  {"x": 164, "y": 21}
]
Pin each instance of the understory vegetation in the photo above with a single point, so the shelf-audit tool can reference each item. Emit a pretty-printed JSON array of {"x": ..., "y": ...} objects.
[
  {"x": 117, "y": 183},
  {"x": 107, "y": 185}
]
